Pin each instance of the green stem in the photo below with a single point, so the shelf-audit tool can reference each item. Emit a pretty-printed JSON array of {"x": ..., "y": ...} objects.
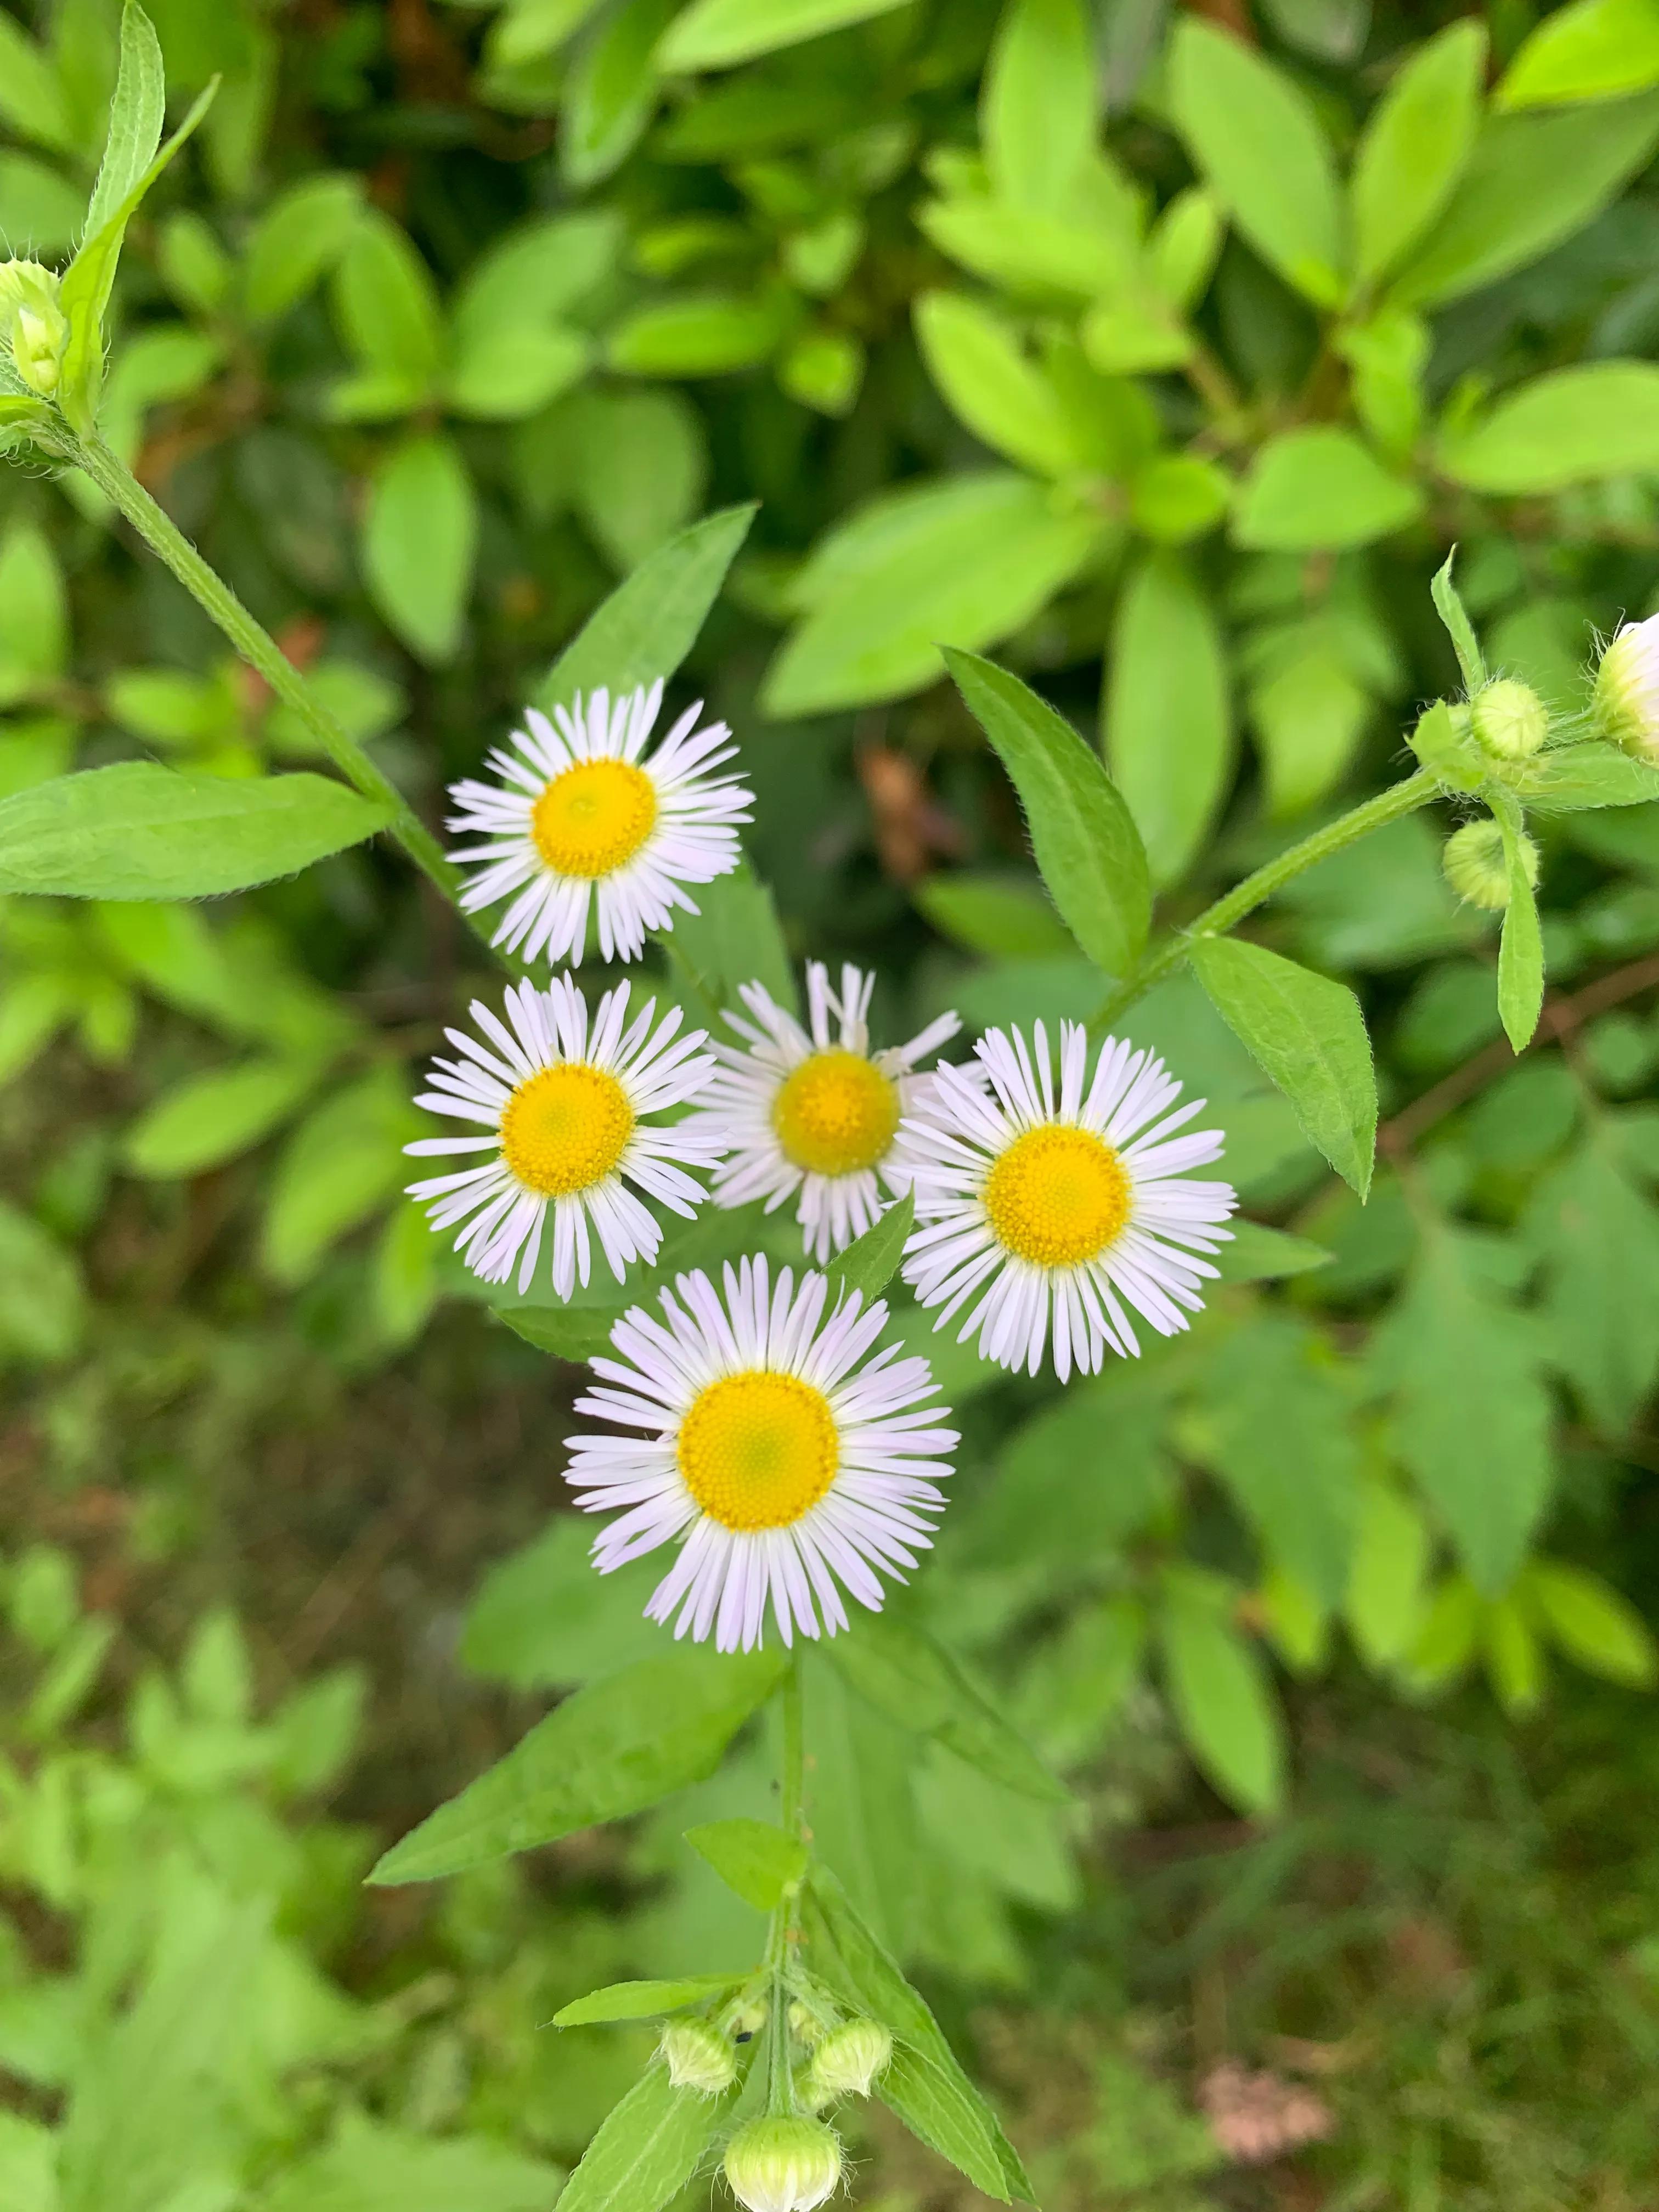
[
  {"x": 780, "y": 2082},
  {"x": 794, "y": 1751},
  {"x": 261, "y": 651},
  {"x": 1400, "y": 800}
]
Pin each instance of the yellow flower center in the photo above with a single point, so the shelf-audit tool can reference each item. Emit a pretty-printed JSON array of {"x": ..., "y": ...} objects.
[
  {"x": 1058, "y": 1196},
  {"x": 836, "y": 1114},
  {"x": 565, "y": 1127},
  {"x": 593, "y": 817},
  {"x": 757, "y": 1451}
]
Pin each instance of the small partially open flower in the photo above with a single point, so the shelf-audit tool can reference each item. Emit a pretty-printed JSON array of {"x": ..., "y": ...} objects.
[
  {"x": 850, "y": 2058},
  {"x": 1625, "y": 700},
  {"x": 1510, "y": 721},
  {"x": 698, "y": 2056},
  {"x": 783, "y": 2164},
  {"x": 33, "y": 324},
  {"x": 1477, "y": 867}
]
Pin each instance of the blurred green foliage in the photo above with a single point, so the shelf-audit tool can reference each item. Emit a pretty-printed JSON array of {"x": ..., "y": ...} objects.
[{"x": 1168, "y": 361}]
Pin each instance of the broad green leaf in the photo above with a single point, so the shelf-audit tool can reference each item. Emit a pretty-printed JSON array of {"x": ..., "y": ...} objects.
[
  {"x": 1307, "y": 710},
  {"x": 384, "y": 298},
  {"x": 860, "y": 1798},
  {"x": 610, "y": 93},
  {"x": 714, "y": 333},
  {"x": 1006, "y": 916},
  {"x": 535, "y": 275},
  {"x": 1222, "y": 1695},
  {"x": 1254, "y": 1254},
  {"x": 213, "y": 1117},
  {"x": 420, "y": 534},
  {"x": 1592, "y": 50},
  {"x": 1470, "y": 1414},
  {"x": 610, "y": 1750},
  {"x": 136, "y": 116},
  {"x": 1309, "y": 1036},
  {"x": 1278, "y": 1429},
  {"x": 1600, "y": 419},
  {"x": 1077, "y": 1481},
  {"x": 1082, "y": 836},
  {"x": 1320, "y": 487},
  {"x": 963, "y": 563},
  {"x": 1027, "y": 251},
  {"x": 1257, "y": 141},
  {"x": 644, "y": 2000},
  {"x": 923, "y": 2084},
  {"x": 369, "y": 2167},
  {"x": 1530, "y": 182},
  {"x": 1388, "y": 1586},
  {"x": 639, "y": 469},
  {"x": 870, "y": 1262},
  {"x": 32, "y": 100},
  {"x": 647, "y": 2148},
  {"x": 299, "y": 238},
  {"x": 918, "y": 1685},
  {"x": 1513, "y": 1656},
  {"x": 513, "y": 373},
  {"x": 139, "y": 832},
  {"x": 1580, "y": 776},
  {"x": 1416, "y": 145},
  {"x": 650, "y": 623},
  {"x": 976, "y": 359},
  {"x": 734, "y": 938},
  {"x": 1038, "y": 110},
  {"x": 1521, "y": 953},
  {"x": 1449, "y": 604},
  {"x": 717, "y": 34},
  {"x": 529, "y": 29},
  {"x": 546, "y": 1618},
  {"x": 1598, "y": 1232},
  {"x": 1594, "y": 1624},
  {"x": 753, "y": 1858},
  {"x": 1165, "y": 713},
  {"x": 577, "y": 1334},
  {"x": 341, "y": 1164}
]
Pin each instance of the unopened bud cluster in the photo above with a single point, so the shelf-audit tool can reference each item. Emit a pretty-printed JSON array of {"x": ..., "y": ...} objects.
[
  {"x": 1477, "y": 865},
  {"x": 1625, "y": 700},
  {"x": 33, "y": 326},
  {"x": 849, "y": 2060},
  {"x": 698, "y": 2056}
]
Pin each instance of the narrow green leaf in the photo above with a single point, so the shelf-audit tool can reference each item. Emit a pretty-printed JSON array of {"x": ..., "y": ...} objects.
[
  {"x": 1580, "y": 776},
  {"x": 1082, "y": 836},
  {"x": 1006, "y": 916},
  {"x": 756, "y": 1860},
  {"x": 1165, "y": 713},
  {"x": 1254, "y": 1254},
  {"x": 139, "y": 832},
  {"x": 1450, "y": 606},
  {"x": 1038, "y": 107},
  {"x": 644, "y": 2000},
  {"x": 1416, "y": 145},
  {"x": 921, "y": 1687},
  {"x": 609, "y": 1750},
  {"x": 923, "y": 2085},
  {"x": 577, "y": 1334},
  {"x": 1575, "y": 425},
  {"x": 420, "y": 535},
  {"x": 974, "y": 358},
  {"x": 1593, "y": 1623},
  {"x": 647, "y": 2148},
  {"x": 718, "y": 33},
  {"x": 136, "y": 116},
  {"x": 1222, "y": 1695},
  {"x": 1309, "y": 1036},
  {"x": 611, "y": 90},
  {"x": 1591, "y": 50},
  {"x": 870, "y": 1262},
  {"x": 215, "y": 1116},
  {"x": 650, "y": 622},
  {"x": 1521, "y": 953}
]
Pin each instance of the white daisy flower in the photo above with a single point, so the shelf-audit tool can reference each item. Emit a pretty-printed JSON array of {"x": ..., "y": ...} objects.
[
  {"x": 782, "y": 1458},
  {"x": 815, "y": 1113},
  {"x": 565, "y": 1111},
  {"x": 1075, "y": 1207},
  {"x": 582, "y": 815},
  {"x": 1625, "y": 700}
]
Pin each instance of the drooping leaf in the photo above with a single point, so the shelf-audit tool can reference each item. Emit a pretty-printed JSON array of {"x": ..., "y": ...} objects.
[
  {"x": 757, "y": 1861},
  {"x": 1166, "y": 716},
  {"x": 1083, "y": 838},
  {"x": 1309, "y": 1036},
  {"x": 140, "y": 831},
  {"x": 610, "y": 91},
  {"x": 870, "y": 1261},
  {"x": 1222, "y": 1692},
  {"x": 609, "y": 1750},
  {"x": 644, "y": 2000},
  {"x": 1387, "y": 1592},
  {"x": 1007, "y": 916}
]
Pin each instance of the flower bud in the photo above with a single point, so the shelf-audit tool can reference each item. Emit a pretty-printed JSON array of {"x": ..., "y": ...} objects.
[
  {"x": 698, "y": 2056},
  {"x": 1510, "y": 720},
  {"x": 1443, "y": 741},
  {"x": 1477, "y": 867},
  {"x": 849, "y": 2058},
  {"x": 33, "y": 324},
  {"x": 1625, "y": 700},
  {"x": 804, "y": 2023},
  {"x": 783, "y": 2164}
]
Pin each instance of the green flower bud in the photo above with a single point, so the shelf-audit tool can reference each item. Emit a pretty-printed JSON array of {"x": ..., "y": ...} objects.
[
  {"x": 33, "y": 324},
  {"x": 1625, "y": 700},
  {"x": 698, "y": 2056},
  {"x": 849, "y": 2059},
  {"x": 783, "y": 2164},
  {"x": 1477, "y": 868},
  {"x": 804, "y": 2023},
  {"x": 1510, "y": 720}
]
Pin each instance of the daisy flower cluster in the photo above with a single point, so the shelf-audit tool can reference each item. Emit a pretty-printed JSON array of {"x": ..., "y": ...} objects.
[{"x": 763, "y": 1429}]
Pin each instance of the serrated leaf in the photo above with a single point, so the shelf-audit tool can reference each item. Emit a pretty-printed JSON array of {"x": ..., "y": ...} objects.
[
  {"x": 870, "y": 1262},
  {"x": 647, "y": 2148},
  {"x": 920, "y": 1686},
  {"x": 1309, "y": 1036},
  {"x": 609, "y": 1750},
  {"x": 1085, "y": 842},
  {"x": 140, "y": 831},
  {"x": 755, "y": 1860},
  {"x": 644, "y": 2000},
  {"x": 136, "y": 114}
]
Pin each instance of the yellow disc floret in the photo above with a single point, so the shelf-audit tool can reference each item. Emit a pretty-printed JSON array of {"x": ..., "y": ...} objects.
[
  {"x": 1058, "y": 1196},
  {"x": 757, "y": 1451},
  {"x": 594, "y": 817},
  {"x": 565, "y": 1129},
  {"x": 836, "y": 1114}
]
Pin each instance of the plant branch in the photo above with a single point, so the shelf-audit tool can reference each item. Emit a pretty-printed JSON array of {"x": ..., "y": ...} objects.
[{"x": 1390, "y": 805}]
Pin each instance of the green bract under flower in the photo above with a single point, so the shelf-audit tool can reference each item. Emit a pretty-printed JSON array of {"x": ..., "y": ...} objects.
[{"x": 33, "y": 324}]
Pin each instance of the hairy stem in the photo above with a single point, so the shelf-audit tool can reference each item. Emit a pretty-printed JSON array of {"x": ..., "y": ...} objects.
[
  {"x": 261, "y": 651},
  {"x": 781, "y": 1935},
  {"x": 1400, "y": 800}
]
